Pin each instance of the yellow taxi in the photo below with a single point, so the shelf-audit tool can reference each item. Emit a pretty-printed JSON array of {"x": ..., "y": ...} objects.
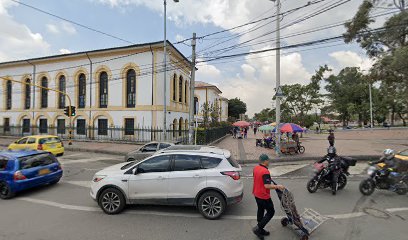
[{"x": 48, "y": 143}]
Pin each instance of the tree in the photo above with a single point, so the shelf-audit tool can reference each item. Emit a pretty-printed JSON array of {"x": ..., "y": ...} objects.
[
  {"x": 264, "y": 115},
  {"x": 236, "y": 107},
  {"x": 348, "y": 93}
]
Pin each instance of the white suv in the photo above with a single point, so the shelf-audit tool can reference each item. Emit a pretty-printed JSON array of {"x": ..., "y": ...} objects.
[{"x": 201, "y": 176}]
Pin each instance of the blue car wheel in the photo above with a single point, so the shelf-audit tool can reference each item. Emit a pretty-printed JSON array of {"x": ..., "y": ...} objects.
[{"x": 5, "y": 191}]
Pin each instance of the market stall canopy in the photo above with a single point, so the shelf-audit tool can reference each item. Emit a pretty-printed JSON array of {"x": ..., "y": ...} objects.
[
  {"x": 289, "y": 127},
  {"x": 241, "y": 124},
  {"x": 272, "y": 124},
  {"x": 266, "y": 128}
]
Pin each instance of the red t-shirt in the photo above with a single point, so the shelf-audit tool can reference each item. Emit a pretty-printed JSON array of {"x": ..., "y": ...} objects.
[{"x": 262, "y": 176}]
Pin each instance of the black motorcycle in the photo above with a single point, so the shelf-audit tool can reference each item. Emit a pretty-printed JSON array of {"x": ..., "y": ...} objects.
[
  {"x": 384, "y": 179},
  {"x": 333, "y": 176}
]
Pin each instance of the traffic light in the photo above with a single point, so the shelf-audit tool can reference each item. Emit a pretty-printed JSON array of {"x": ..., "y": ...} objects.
[
  {"x": 70, "y": 111},
  {"x": 73, "y": 111},
  {"x": 66, "y": 111}
]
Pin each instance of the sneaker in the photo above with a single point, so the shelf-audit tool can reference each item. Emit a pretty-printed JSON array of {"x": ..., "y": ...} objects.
[{"x": 258, "y": 232}]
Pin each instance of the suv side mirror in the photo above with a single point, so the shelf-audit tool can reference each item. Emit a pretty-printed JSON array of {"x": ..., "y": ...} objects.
[
  {"x": 134, "y": 171},
  {"x": 137, "y": 170}
]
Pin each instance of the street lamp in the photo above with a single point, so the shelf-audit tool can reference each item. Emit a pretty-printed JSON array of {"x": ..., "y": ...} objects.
[
  {"x": 165, "y": 70},
  {"x": 371, "y": 102}
]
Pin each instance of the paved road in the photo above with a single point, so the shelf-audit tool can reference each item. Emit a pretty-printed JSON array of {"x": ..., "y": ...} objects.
[{"x": 65, "y": 211}]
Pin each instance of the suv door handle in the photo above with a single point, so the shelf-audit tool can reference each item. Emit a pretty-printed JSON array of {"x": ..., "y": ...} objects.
[
  {"x": 196, "y": 176},
  {"x": 161, "y": 177}
]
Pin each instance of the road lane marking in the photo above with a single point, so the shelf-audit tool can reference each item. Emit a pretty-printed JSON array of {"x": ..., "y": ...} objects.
[
  {"x": 86, "y": 184},
  {"x": 277, "y": 171},
  {"x": 189, "y": 215}
]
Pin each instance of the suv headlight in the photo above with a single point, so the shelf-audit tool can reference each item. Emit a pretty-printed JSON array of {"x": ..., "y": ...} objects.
[{"x": 98, "y": 178}]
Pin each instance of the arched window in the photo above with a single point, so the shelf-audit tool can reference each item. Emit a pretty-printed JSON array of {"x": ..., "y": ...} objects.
[
  {"x": 180, "y": 89},
  {"x": 195, "y": 105},
  {"x": 174, "y": 127},
  {"x": 27, "y": 94},
  {"x": 186, "y": 93},
  {"x": 175, "y": 87},
  {"x": 62, "y": 88},
  {"x": 131, "y": 88},
  {"x": 181, "y": 126},
  {"x": 103, "y": 90},
  {"x": 44, "y": 92},
  {"x": 81, "y": 90},
  {"x": 9, "y": 93}
]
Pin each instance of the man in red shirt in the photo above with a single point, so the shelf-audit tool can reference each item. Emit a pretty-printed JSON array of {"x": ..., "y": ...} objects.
[{"x": 262, "y": 192}]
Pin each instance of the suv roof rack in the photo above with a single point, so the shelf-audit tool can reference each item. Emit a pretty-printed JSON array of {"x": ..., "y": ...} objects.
[{"x": 197, "y": 148}]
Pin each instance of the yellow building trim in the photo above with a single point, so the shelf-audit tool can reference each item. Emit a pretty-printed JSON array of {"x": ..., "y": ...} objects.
[
  {"x": 123, "y": 74},
  {"x": 97, "y": 73},
  {"x": 40, "y": 76},
  {"x": 56, "y": 116},
  {"x": 81, "y": 115},
  {"x": 76, "y": 75},
  {"x": 23, "y": 89},
  {"x": 4, "y": 107},
  {"x": 42, "y": 115},
  {"x": 56, "y": 86},
  {"x": 24, "y": 116},
  {"x": 102, "y": 114},
  {"x": 154, "y": 118}
]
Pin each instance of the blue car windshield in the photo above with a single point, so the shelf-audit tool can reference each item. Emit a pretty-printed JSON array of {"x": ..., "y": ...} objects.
[{"x": 42, "y": 159}]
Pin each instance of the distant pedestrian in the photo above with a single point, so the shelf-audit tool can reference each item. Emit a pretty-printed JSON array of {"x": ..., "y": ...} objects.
[
  {"x": 235, "y": 131},
  {"x": 331, "y": 138},
  {"x": 261, "y": 191},
  {"x": 245, "y": 132},
  {"x": 317, "y": 129},
  {"x": 255, "y": 129}
]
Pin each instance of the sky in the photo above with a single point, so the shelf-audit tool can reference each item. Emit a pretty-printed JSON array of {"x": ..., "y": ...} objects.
[{"x": 26, "y": 33}]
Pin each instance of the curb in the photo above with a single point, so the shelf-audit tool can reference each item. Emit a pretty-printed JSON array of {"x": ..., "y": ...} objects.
[{"x": 360, "y": 158}]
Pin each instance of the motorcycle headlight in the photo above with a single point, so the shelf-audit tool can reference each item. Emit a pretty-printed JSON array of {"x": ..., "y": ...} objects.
[{"x": 371, "y": 170}]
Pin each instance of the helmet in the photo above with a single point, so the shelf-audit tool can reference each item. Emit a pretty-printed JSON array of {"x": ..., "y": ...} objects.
[
  {"x": 331, "y": 150},
  {"x": 388, "y": 153}
]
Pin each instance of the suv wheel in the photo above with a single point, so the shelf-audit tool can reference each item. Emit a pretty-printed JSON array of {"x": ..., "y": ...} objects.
[
  {"x": 211, "y": 205},
  {"x": 112, "y": 201}
]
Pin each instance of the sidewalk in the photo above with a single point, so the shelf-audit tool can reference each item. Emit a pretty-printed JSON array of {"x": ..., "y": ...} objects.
[{"x": 365, "y": 144}]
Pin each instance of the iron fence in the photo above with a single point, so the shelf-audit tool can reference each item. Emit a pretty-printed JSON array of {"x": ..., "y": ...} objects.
[{"x": 117, "y": 134}]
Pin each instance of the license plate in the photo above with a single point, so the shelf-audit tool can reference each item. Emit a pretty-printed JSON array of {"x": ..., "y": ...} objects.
[
  {"x": 52, "y": 146},
  {"x": 43, "y": 171}
]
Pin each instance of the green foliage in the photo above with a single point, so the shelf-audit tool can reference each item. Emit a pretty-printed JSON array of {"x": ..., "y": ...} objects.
[
  {"x": 236, "y": 107},
  {"x": 266, "y": 114}
]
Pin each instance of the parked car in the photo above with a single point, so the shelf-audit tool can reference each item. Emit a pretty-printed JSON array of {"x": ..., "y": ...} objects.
[
  {"x": 48, "y": 143},
  {"x": 147, "y": 150},
  {"x": 21, "y": 170},
  {"x": 205, "y": 177}
]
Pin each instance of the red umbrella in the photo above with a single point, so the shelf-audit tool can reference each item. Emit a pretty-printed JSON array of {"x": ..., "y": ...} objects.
[{"x": 241, "y": 124}]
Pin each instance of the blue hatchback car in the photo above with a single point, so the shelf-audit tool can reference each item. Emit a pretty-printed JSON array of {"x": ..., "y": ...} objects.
[{"x": 21, "y": 170}]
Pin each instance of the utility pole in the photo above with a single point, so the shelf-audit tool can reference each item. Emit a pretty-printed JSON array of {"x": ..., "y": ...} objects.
[
  {"x": 57, "y": 91},
  {"x": 371, "y": 106},
  {"x": 278, "y": 113},
  {"x": 192, "y": 86},
  {"x": 165, "y": 73}
]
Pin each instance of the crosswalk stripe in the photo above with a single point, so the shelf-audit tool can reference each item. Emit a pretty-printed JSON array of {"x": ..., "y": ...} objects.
[{"x": 86, "y": 184}]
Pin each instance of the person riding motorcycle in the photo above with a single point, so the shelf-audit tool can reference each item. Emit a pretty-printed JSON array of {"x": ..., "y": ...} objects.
[
  {"x": 391, "y": 164},
  {"x": 334, "y": 164}
]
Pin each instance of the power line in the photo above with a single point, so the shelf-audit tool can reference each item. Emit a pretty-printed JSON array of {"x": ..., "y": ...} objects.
[
  {"x": 73, "y": 22},
  {"x": 332, "y": 6}
]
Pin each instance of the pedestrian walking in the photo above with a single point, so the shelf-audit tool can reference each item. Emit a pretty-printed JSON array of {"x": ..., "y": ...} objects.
[
  {"x": 245, "y": 132},
  {"x": 235, "y": 132},
  {"x": 331, "y": 138},
  {"x": 255, "y": 129},
  {"x": 261, "y": 191}
]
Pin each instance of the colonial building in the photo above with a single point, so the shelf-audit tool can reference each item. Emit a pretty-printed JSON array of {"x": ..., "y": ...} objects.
[
  {"x": 115, "y": 87},
  {"x": 210, "y": 95}
]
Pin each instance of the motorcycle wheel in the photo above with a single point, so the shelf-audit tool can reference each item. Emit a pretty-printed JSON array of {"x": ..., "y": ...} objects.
[
  {"x": 367, "y": 187},
  {"x": 312, "y": 185},
  {"x": 342, "y": 181},
  {"x": 402, "y": 190},
  {"x": 302, "y": 149}
]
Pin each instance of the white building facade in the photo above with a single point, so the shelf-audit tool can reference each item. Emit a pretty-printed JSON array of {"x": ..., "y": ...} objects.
[
  {"x": 209, "y": 94},
  {"x": 117, "y": 87}
]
